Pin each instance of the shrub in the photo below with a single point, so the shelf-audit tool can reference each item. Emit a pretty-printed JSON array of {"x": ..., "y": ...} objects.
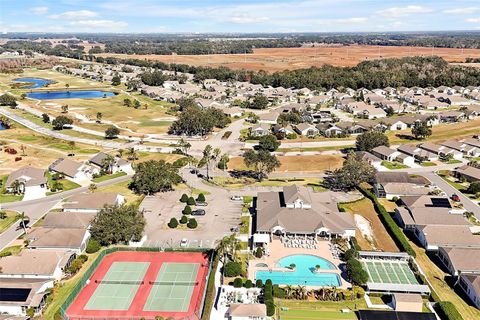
[
  {"x": 238, "y": 283},
  {"x": 92, "y": 246},
  {"x": 75, "y": 266},
  {"x": 351, "y": 253},
  {"x": 187, "y": 210},
  {"x": 191, "y": 201},
  {"x": 232, "y": 269},
  {"x": 248, "y": 284},
  {"x": 173, "y": 223},
  {"x": 184, "y": 198},
  {"x": 259, "y": 283},
  {"x": 270, "y": 308},
  {"x": 184, "y": 220},
  {"x": 393, "y": 229},
  {"x": 192, "y": 224},
  {"x": 5, "y": 254},
  {"x": 83, "y": 257},
  {"x": 278, "y": 292},
  {"x": 259, "y": 252},
  {"x": 474, "y": 187},
  {"x": 447, "y": 310},
  {"x": 201, "y": 197},
  {"x": 357, "y": 275}
]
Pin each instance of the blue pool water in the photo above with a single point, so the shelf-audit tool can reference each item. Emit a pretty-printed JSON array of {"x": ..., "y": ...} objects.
[
  {"x": 304, "y": 273},
  {"x": 1, "y": 127},
  {"x": 37, "y": 82},
  {"x": 80, "y": 94}
]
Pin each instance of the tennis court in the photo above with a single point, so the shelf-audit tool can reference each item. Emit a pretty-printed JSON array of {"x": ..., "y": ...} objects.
[
  {"x": 389, "y": 272},
  {"x": 143, "y": 284},
  {"x": 118, "y": 287},
  {"x": 173, "y": 287}
]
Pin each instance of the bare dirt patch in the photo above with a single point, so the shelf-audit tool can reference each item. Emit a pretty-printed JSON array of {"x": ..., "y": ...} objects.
[{"x": 277, "y": 59}]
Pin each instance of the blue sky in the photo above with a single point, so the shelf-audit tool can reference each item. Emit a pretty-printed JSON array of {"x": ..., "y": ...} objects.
[{"x": 237, "y": 16}]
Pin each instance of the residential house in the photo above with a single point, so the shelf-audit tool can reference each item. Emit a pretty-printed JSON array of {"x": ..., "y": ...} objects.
[
  {"x": 268, "y": 118},
  {"x": 330, "y": 130},
  {"x": 385, "y": 153},
  {"x": 33, "y": 296},
  {"x": 92, "y": 202},
  {"x": 470, "y": 284},
  {"x": 118, "y": 164},
  {"x": 74, "y": 239},
  {"x": 452, "y": 116},
  {"x": 286, "y": 130},
  {"x": 440, "y": 150},
  {"x": 31, "y": 182},
  {"x": 434, "y": 236},
  {"x": 260, "y": 130},
  {"x": 418, "y": 153},
  {"x": 398, "y": 184},
  {"x": 370, "y": 158},
  {"x": 469, "y": 173},
  {"x": 460, "y": 260},
  {"x": 306, "y": 129},
  {"x": 462, "y": 147},
  {"x": 72, "y": 169}
]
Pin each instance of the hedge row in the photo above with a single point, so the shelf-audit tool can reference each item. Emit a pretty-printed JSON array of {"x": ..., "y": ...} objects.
[
  {"x": 446, "y": 310},
  {"x": 210, "y": 294},
  {"x": 393, "y": 229}
]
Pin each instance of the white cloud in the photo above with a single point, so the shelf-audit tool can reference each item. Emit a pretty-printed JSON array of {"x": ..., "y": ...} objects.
[
  {"x": 473, "y": 20},
  {"x": 39, "y": 10},
  {"x": 94, "y": 24},
  {"x": 246, "y": 19},
  {"x": 397, "y": 12},
  {"x": 74, "y": 15},
  {"x": 462, "y": 10}
]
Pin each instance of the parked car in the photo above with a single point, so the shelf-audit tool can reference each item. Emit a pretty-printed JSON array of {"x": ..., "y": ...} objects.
[
  {"x": 194, "y": 171},
  {"x": 201, "y": 204},
  {"x": 198, "y": 212},
  {"x": 455, "y": 197},
  {"x": 184, "y": 243},
  {"x": 236, "y": 198}
]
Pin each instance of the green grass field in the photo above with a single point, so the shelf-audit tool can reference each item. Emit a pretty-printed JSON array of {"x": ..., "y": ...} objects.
[
  {"x": 393, "y": 165},
  {"x": 293, "y": 314},
  {"x": 11, "y": 218},
  {"x": 321, "y": 310},
  {"x": 109, "y": 176}
]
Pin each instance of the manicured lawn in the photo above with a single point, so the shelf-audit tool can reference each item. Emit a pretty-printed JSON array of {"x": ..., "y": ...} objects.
[
  {"x": 67, "y": 184},
  {"x": 322, "y": 310},
  {"x": 122, "y": 188},
  {"x": 297, "y": 163},
  {"x": 454, "y": 183},
  {"x": 109, "y": 176},
  {"x": 427, "y": 164},
  {"x": 10, "y": 219},
  {"x": 453, "y": 161},
  {"x": 6, "y": 197},
  {"x": 394, "y": 165},
  {"x": 14, "y": 250}
]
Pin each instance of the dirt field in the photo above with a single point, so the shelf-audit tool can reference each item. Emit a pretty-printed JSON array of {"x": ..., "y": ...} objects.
[
  {"x": 277, "y": 59},
  {"x": 297, "y": 163}
]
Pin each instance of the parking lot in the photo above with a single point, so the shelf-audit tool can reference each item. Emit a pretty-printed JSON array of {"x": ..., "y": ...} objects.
[{"x": 222, "y": 214}]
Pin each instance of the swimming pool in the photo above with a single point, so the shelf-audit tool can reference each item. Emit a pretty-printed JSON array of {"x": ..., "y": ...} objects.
[
  {"x": 37, "y": 82},
  {"x": 304, "y": 273},
  {"x": 78, "y": 94}
]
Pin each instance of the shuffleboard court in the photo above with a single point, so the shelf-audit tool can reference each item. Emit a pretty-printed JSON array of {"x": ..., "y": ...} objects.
[
  {"x": 172, "y": 290},
  {"x": 119, "y": 295},
  {"x": 389, "y": 272}
]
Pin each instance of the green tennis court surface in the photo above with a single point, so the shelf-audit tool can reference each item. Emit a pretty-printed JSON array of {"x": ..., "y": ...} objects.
[
  {"x": 118, "y": 296},
  {"x": 173, "y": 287},
  {"x": 389, "y": 272}
]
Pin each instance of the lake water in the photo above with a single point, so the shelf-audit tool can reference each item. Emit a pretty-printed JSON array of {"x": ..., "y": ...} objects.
[
  {"x": 37, "y": 82},
  {"x": 78, "y": 94}
]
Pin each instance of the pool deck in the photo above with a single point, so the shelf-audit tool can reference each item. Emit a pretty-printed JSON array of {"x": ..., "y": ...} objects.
[{"x": 278, "y": 251}]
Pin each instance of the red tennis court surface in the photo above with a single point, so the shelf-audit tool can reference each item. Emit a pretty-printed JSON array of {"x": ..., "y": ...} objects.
[{"x": 87, "y": 306}]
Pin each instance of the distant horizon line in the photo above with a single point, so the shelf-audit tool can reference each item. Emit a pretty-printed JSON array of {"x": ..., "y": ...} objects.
[{"x": 245, "y": 33}]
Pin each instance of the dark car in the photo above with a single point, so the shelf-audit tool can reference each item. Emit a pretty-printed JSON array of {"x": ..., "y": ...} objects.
[{"x": 198, "y": 212}]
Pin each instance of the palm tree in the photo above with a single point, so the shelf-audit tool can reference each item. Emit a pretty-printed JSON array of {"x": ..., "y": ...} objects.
[
  {"x": 92, "y": 187},
  {"x": 71, "y": 144},
  {"x": 302, "y": 292},
  {"x": 23, "y": 148},
  {"x": 288, "y": 291},
  {"x": 132, "y": 154},
  {"x": 184, "y": 146},
  {"x": 207, "y": 157},
  {"x": 99, "y": 117},
  {"x": 224, "y": 160},
  {"x": 216, "y": 156},
  {"x": 107, "y": 163},
  {"x": 120, "y": 152},
  {"x": 16, "y": 187},
  {"x": 65, "y": 108},
  {"x": 67, "y": 86}
]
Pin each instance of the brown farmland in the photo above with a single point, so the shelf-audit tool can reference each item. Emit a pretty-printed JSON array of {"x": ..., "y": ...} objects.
[{"x": 278, "y": 59}]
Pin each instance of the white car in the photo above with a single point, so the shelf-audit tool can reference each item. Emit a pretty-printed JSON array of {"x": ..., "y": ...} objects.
[
  {"x": 184, "y": 243},
  {"x": 236, "y": 198}
]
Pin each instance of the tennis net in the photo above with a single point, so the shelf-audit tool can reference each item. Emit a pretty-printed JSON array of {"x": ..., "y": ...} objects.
[
  {"x": 172, "y": 283},
  {"x": 119, "y": 282}
]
